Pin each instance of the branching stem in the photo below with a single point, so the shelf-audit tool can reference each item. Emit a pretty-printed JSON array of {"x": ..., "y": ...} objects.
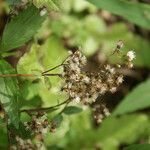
[
  {"x": 44, "y": 109},
  {"x": 51, "y": 69}
]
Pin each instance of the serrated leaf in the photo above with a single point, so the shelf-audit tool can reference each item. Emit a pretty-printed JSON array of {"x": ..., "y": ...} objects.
[
  {"x": 52, "y": 54},
  {"x": 138, "y": 147},
  {"x": 135, "y": 12},
  {"x": 9, "y": 93},
  {"x": 70, "y": 110},
  {"x": 21, "y": 28},
  {"x": 138, "y": 99},
  {"x": 29, "y": 63},
  {"x": 49, "y": 4}
]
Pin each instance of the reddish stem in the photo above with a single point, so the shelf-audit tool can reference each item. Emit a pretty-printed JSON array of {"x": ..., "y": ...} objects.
[{"x": 17, "y": 75}]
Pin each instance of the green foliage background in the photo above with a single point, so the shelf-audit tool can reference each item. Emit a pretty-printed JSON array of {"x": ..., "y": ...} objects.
[{"x": 77, "y": 22}]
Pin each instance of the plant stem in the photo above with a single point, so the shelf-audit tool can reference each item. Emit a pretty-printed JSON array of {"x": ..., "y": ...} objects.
[
  {"x": 64, "y": 107},
  {"x": 27, "y": 75},
  {"x": 52, "y": 69},
  {"x": 44, "y": 109},
  {"x": 55, "y": 74},
  {"x": 17, "y": 75},
  {"x": 56, "y": 66}
]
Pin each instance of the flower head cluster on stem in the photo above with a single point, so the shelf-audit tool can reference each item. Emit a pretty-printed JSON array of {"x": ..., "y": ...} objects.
[
  {"x": 39, "y": 124},
  {"x": 83, "y": 86}
]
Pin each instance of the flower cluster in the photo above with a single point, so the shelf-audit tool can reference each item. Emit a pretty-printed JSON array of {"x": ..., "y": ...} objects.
[
  {"x": 130, "y": 57},
  {"x": 23, "y": 144},
  {"x": 39, "y": 124},
  {"x": 83, "y": 86},
  {"x": 100, "y": 111}
]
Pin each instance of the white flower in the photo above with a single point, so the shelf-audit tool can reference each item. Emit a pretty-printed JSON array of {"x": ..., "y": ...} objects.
[
  {"x": 43, "y": 12},
  {"x": 103, "y": 89},
  {"x": 106, "y": 111},
  {"x": 131, "y": 55},
  {"x": 77, "y": 99},
  {"x": 113, "y": 89},
  {"x": 119, "y": 79},
  {"x": 86, "y": 79},
  {"x": 107, "y": 67}
]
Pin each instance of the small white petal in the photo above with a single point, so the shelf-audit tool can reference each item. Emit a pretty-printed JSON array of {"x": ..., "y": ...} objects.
[{"x": 131, "y": 55}]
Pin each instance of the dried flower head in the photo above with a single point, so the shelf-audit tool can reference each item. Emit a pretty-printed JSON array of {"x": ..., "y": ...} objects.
[
  {"x": 83, "y": 86},
  {"x": 38, "y": 124},
  {"x": 23, "y": 144},
  {"x": 120, "y": 44},
  {"x": 100, "y": 111}
]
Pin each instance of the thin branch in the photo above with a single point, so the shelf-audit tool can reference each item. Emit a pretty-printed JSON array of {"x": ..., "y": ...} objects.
[
  {"x": 55, "y": 74},
  {"x": 56, "y": 66},
  {"x": 64, "y": 107},
  {"x": 44, "y": 109},
  {"x": 27, "y": 75},
  {"x": 52, "y": 69}
]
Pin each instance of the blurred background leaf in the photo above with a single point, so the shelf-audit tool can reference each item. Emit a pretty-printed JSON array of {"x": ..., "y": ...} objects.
[
  {"x": 49, "y": 4},
  {"x": 13, "y": 2},
  {"x": 72, "y": 110},
  {"x": 135, "y": 12},
  {"x": 71, "y": 24},
  {"x": 138, "y": 147},
  {"x": 137, "y": 99},
  {"x": 41, "y": 58}
]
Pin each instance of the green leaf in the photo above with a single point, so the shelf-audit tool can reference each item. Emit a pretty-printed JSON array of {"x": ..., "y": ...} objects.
[
  {"x": 13, "y": 2},
  {"x": 44, "y": 57},
  {"x": 138, "y": 99},
  {"x": 22, "y": 131},
  {"x": 138, "y": 147},
  {"x": 125, "y": 129},
  {"x": 9, "y": 93},
  {"x": 3, "y": 138},
  {"x": 70, "y": 110},
  {"x": 49, "y": 4},
  {"x": 57, "y": 120},
  {"x": 2, "y": 121},
  {"x": 21, "y": 28},
  {"x": 29, "y": 63},
  {"x": 137, "y": 13},
  {"x": 36, "y": 101}
]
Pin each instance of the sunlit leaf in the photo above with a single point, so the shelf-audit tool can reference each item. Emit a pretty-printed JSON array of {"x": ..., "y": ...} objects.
[
  {"x": 29, "y": 63},
  {"x": 49, "y": 4}
]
